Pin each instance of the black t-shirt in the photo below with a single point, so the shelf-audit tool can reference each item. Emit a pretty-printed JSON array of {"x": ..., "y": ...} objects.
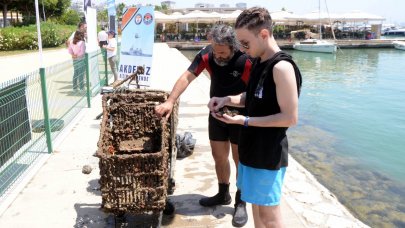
[
  {"x": 265, "y": 147},
  {"x": 225, "y": 80}
]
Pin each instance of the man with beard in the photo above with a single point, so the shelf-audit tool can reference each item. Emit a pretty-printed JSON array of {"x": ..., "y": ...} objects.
[{"x": 229, "y": 69}]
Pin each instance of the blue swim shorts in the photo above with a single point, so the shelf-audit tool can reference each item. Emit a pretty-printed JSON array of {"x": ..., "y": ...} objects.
[{"x": 260, "y": 186}]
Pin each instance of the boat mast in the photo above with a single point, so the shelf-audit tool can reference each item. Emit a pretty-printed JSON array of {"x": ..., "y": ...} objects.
[{"x": 320, "y": 22}]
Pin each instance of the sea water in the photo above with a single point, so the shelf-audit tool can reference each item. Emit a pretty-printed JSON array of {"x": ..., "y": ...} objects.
[{"x": 351, "y": 131}]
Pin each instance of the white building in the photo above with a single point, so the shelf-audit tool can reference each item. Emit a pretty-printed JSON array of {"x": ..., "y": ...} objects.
[
  {"x": 11, "y": 17},
  {"x": 204, "y": 5},
  {"x": 241, "y": 5},
  {"x": 78, "y": 6}
]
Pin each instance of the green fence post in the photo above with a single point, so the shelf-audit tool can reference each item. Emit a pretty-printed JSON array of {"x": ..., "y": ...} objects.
[
  {"x": 105, "y": 65},
  {"x": 87, "y": 80},
  {"x": 46, "y": 110}
]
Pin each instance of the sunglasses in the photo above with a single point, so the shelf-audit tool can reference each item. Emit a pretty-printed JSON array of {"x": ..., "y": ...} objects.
[{"x": 244, "y": 44}]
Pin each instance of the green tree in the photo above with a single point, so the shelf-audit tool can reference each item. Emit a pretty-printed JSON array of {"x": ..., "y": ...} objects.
[
  {"x": 55, "y": 8},
  {"x": 162, "y": 9},
  {"x": 48, "y": 8},
  {"x": 102, "y": 16},
  {"x": 120, "y": 10},
  {"x": 70, "y": 17}
]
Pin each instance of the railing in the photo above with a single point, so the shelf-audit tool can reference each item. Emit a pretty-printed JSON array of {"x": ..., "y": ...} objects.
[{"x": 35, "y": 107}]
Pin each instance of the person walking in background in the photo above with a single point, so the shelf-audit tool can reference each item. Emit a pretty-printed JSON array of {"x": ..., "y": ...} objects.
[
  {"x": 229, "y": 69},
  {"x": 77, "y": 49},
  {"x": 82, "y": 26},
  {"x": 111, "y": 48},
  {"x": 271, "y": 101},
  {"x": 102, "y": 37}
]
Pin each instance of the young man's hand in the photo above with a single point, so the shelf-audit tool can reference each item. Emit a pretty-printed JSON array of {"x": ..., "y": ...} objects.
[{"x": 216, "y": 103}]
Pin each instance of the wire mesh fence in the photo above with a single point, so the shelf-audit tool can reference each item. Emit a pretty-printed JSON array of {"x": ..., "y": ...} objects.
[
  {"x": 23, "y": 135},
  {"x": 19, "y": 145}
]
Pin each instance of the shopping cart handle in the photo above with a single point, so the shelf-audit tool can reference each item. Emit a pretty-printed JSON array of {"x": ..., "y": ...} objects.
[{"x": 107, "y": 89}]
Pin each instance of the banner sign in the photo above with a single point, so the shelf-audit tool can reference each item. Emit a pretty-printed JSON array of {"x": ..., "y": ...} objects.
[
  {"x": 91, "y": 20},
  {"x": 86, "y": 4},
  {"x": 137, "y": 28},
  {"x": 112, "y": 15}
]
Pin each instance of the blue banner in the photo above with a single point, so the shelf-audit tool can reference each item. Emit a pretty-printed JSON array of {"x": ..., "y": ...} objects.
[{"x": 138, "y": 29}]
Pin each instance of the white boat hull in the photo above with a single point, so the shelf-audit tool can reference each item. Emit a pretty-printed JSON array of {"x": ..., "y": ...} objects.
[
  {"x": 399, "y": 45},
  {"x": 316, "y": 46}
]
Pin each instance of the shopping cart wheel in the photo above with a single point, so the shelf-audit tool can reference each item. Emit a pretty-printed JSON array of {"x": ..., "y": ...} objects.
[
  {"x": 169, "y": 208},
  {"x": 172, "y": 186}
]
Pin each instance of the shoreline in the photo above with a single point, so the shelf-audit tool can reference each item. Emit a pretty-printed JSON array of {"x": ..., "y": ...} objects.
[
  {"x": 288, "y": 45},
  {"x": 316, "y": 205}
]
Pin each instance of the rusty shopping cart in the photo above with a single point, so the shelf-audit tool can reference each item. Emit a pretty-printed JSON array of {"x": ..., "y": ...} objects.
[{"x": 137, "y": 153}]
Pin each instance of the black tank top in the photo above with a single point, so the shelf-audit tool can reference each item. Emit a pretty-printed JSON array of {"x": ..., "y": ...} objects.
[{"x": 265, "y": 147}]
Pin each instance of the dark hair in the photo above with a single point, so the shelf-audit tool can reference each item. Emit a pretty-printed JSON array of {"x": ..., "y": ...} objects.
[
  {"x": 111, "y": 32},
  {"x": 80, "y": 24},
  {"x": 254, "y": 19},
  {"x": 223, "y": 35},
  {"x": 79, "y": 35}
]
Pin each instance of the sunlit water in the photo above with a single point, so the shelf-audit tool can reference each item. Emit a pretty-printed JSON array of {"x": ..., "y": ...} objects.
[{"x": 351, "y": 133}]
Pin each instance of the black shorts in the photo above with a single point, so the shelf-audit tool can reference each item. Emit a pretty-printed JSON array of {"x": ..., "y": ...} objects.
[
  {"x": 101, "y": 43},
  {"x": 220, "y": 131}
]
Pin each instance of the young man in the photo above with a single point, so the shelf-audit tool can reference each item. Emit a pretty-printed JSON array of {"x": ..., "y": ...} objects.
[
  {"x": 82, "y": 26},
  {"x": 229, "y": 69},
  {"x": 102, "y": 37},
  {"x": 271, "y": 101}
]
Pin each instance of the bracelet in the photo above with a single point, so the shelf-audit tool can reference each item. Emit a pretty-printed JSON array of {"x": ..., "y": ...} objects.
[{"x": 246, "y": 122}]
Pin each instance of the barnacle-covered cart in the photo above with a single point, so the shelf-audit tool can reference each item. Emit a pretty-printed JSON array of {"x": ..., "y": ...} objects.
[{"x": 137, "y": 153}]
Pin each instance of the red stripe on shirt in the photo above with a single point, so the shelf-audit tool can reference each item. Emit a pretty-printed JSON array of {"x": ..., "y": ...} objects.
[
  {"x": 246, "y": 71},
  {"x": 205, "y": 58}
]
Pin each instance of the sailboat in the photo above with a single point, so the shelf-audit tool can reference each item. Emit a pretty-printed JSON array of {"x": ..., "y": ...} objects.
[
  {"x": 315, "y": 45},
  {"x": 399, "y": 45}
]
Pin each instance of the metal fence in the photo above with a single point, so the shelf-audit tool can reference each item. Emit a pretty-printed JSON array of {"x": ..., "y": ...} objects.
[{"x": 35, "y": 108}]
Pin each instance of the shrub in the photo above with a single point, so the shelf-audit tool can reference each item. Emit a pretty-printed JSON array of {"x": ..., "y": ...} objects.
[{"x": 25, "y": 38}]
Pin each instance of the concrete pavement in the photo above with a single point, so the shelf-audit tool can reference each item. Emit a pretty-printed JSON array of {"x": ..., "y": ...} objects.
[{"x": 13, "y": 66}]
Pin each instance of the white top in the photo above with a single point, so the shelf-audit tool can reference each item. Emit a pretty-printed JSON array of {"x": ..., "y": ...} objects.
[
  {"x": 112, "y": 43},
  {"x": 72, "y": 36},
  {"x": 102, "y": 36}
]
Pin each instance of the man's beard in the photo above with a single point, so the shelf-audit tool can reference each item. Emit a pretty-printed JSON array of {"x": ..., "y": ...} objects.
[{"x": 223, "y": 61}]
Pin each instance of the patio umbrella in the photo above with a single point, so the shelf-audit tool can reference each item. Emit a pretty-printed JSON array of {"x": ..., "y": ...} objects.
[
  {"x": 164, "y": 18},
  {"x": 358, "y": 16},
  {"x": 315, "y": 17},
  {"x": 199, "y": 16},
  {"x": 230, "y": 17},
  {"x": 283, "y": 17}
]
